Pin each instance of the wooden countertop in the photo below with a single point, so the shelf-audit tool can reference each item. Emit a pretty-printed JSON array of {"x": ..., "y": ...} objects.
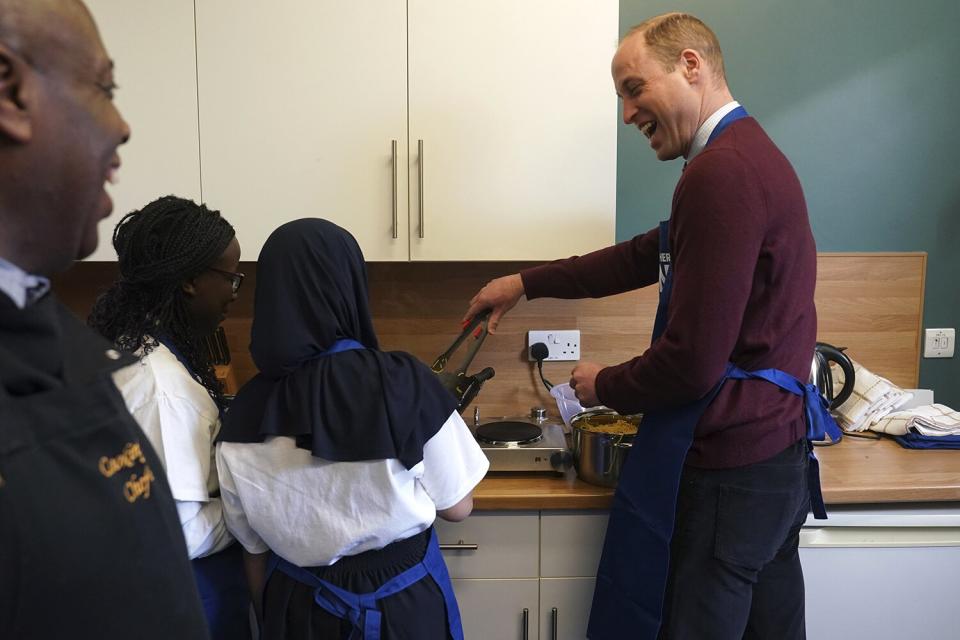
[{"x": 856, "y": 471}]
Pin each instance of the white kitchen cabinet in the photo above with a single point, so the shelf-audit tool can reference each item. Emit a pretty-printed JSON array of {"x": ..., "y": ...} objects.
[
  {"x": 516, "y": 111},
  {"x": 503, "y": 562},
  {"x": 301, "y": 102},
  {"x": 152, "y": 45}
]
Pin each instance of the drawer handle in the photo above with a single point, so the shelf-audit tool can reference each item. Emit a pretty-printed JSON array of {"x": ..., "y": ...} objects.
[
  {"x": 554, "y": 615},
  {"x": 393, "y": 151},
  {"x": 526, "y": 624},
  {"x": 459, "y": 546}
]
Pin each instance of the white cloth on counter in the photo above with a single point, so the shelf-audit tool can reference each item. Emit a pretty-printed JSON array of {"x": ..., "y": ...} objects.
[
  {"x": 873, "y": 398},
  {"x": 928, "y": 420},
  {"x": 312, "y": 511},
  {"x": 180, "y": 420}
]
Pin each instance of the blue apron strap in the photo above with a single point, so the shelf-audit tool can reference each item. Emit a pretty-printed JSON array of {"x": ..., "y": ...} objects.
[
  {"x": 437, "y": 568},
  {"x": 344, "y": 344},
  {"x": 737, "y": 114}
]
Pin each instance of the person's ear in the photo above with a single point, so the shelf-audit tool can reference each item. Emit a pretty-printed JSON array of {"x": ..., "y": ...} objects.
[
  {"x": 189, "y": 288},
  {"x": 691, "y": 65},
  {"x": 15, "y": 122}
]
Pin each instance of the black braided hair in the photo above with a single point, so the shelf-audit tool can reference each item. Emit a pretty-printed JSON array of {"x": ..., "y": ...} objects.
[{"x": 159, "y": 247}]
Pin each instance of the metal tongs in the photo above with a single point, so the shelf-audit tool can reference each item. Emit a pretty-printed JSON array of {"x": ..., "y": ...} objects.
[{"x": 463, "y": 387}]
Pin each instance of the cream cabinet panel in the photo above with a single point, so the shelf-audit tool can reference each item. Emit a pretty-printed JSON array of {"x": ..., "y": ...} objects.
[
  {"x": 491, "y": 545},
  {"x": 498, "y": 609},
  {"x": 300, "y": 104},
  {"x": 517, "y": 113},
  {"x": 152, "y": 46},
  {"x": 565, "y": 607},
  {"x": 571, "y": 542}
]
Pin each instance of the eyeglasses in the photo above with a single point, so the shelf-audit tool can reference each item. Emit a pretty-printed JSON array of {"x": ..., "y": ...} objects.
[{"x": 236, "y": 279}]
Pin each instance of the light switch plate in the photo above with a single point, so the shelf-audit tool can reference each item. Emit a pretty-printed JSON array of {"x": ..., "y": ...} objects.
[
  {"x": 939, "y": 343},
  {"x": 562, "y": 344}
]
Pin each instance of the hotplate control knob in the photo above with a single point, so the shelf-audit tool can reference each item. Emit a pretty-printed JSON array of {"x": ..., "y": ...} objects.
[{"x": 538, "y": 413}]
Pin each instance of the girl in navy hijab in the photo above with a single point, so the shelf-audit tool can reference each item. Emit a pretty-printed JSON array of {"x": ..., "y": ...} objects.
[{"x": 337, "y": 457}]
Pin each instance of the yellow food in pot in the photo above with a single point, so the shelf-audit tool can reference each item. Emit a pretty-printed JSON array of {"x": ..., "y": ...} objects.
[{"x": 617, "y": 427}]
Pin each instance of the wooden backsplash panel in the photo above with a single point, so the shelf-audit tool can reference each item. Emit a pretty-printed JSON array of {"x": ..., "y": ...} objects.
[{"x": 870, "y": 303}]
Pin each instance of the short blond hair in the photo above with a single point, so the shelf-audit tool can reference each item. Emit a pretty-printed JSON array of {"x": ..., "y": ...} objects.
[{"x": 669, "y": 34}]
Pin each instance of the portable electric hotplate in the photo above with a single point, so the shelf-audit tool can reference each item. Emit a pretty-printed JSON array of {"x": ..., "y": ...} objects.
[{"x": 531, "y": 443}]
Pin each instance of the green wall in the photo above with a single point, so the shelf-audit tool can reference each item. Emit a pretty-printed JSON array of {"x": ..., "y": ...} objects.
[{"x": 863, "y": 97}]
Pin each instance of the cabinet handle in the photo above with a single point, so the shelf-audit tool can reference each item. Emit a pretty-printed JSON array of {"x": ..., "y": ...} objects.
[
  {"x": 420, "y": 165},
  {"x": 526, "y": 624},
  {"x": 459, "y": 546},
  {"x": 393, "y": 149},
  {"x": 554, "y": 616}
]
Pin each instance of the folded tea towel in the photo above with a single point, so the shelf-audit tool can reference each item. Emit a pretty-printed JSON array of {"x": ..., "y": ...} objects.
[
  {"x": 933, "y": 420},
  {"x": 873, "y": 398}
]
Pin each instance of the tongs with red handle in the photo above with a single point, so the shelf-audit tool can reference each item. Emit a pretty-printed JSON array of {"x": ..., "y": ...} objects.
[{"x": 463, "y": 387}]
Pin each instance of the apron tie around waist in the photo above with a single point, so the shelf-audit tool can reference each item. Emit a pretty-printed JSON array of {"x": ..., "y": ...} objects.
[{"x": 361, "y": 609}]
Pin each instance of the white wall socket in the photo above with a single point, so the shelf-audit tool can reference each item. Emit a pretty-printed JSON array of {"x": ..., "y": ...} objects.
[
  {"x": 938, "y": 343},
  {"x": 563, "y": 345}
]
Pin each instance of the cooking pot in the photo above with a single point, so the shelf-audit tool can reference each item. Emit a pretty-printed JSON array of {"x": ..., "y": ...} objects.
[
  {"x": 822, "y": 377},
  {"x": 598, "y": 457}
]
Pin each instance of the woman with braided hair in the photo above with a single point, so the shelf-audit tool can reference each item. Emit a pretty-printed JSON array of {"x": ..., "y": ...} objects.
[{"x": 178, "y": 275}]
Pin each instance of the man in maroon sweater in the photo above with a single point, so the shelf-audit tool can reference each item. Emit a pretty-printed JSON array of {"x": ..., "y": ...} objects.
[{"x": 743, "y": 264}]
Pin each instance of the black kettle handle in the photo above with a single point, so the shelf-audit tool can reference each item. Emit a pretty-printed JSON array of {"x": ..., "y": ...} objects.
[{"x": 831, "y": 353}]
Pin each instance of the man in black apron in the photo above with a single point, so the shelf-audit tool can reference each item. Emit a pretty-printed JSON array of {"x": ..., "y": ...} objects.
[
  {"x": 90, "y": 543},
  {"x": 704, "y": 527}
]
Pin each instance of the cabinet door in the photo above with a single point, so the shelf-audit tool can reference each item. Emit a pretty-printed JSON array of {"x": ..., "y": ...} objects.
[
  {"x": 152, "y": 46},
  {"x": 517, "y": 113},
  {"x": 565, "y": 607},
  {"x": 571, "y": 542},
  {"x": 498, "y": 609},
  {"x": 300, "y": 103}
]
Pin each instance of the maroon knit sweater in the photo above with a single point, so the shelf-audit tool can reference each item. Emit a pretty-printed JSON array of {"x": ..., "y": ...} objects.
[{"x": 744, "y": 270}]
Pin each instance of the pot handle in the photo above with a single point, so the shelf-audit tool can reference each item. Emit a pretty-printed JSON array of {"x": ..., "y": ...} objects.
[{"x": 619, "y": 444}]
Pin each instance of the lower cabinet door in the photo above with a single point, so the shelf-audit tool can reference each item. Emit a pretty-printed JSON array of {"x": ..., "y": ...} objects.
[
  {"x": 565, "y": 607},
  {"x": 498, "y": 609}
]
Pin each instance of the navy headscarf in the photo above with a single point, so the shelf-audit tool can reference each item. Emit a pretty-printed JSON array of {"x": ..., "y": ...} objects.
[{"x": 362, "y": 404}]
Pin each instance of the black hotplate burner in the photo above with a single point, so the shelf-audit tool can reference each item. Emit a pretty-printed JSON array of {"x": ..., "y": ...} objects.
[{"x": 509, "y": 433}]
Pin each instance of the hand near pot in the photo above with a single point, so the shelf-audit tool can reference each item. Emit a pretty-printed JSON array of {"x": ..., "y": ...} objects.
[
  {"x": 583, "y": 381},
  {"x": 499, "y": 295}
]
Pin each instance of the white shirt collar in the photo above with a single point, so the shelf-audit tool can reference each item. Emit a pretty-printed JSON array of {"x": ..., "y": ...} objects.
[
  {"x": 702, "y": 135},
  {"x": 20, "y": 286}
]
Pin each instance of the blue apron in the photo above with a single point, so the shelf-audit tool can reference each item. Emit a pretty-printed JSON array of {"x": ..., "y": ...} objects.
[
  {"x": 634, "y": 566},
  {"x": 361, "y": 608},
  {"x": 220, "y": 577}
]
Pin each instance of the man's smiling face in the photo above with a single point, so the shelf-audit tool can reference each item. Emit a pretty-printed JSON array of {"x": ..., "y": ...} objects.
[{"x": 664, "y": 105}]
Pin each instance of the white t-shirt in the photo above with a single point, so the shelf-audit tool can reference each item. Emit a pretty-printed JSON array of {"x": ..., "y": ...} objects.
[
  {"x": 180, "y": 420},
  {"x": 312, "y": 512}
]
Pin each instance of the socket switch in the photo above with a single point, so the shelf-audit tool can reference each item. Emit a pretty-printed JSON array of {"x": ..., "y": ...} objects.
[
  {"x": 939, "y": 343},
  {"x": 561, "y": 345}
]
